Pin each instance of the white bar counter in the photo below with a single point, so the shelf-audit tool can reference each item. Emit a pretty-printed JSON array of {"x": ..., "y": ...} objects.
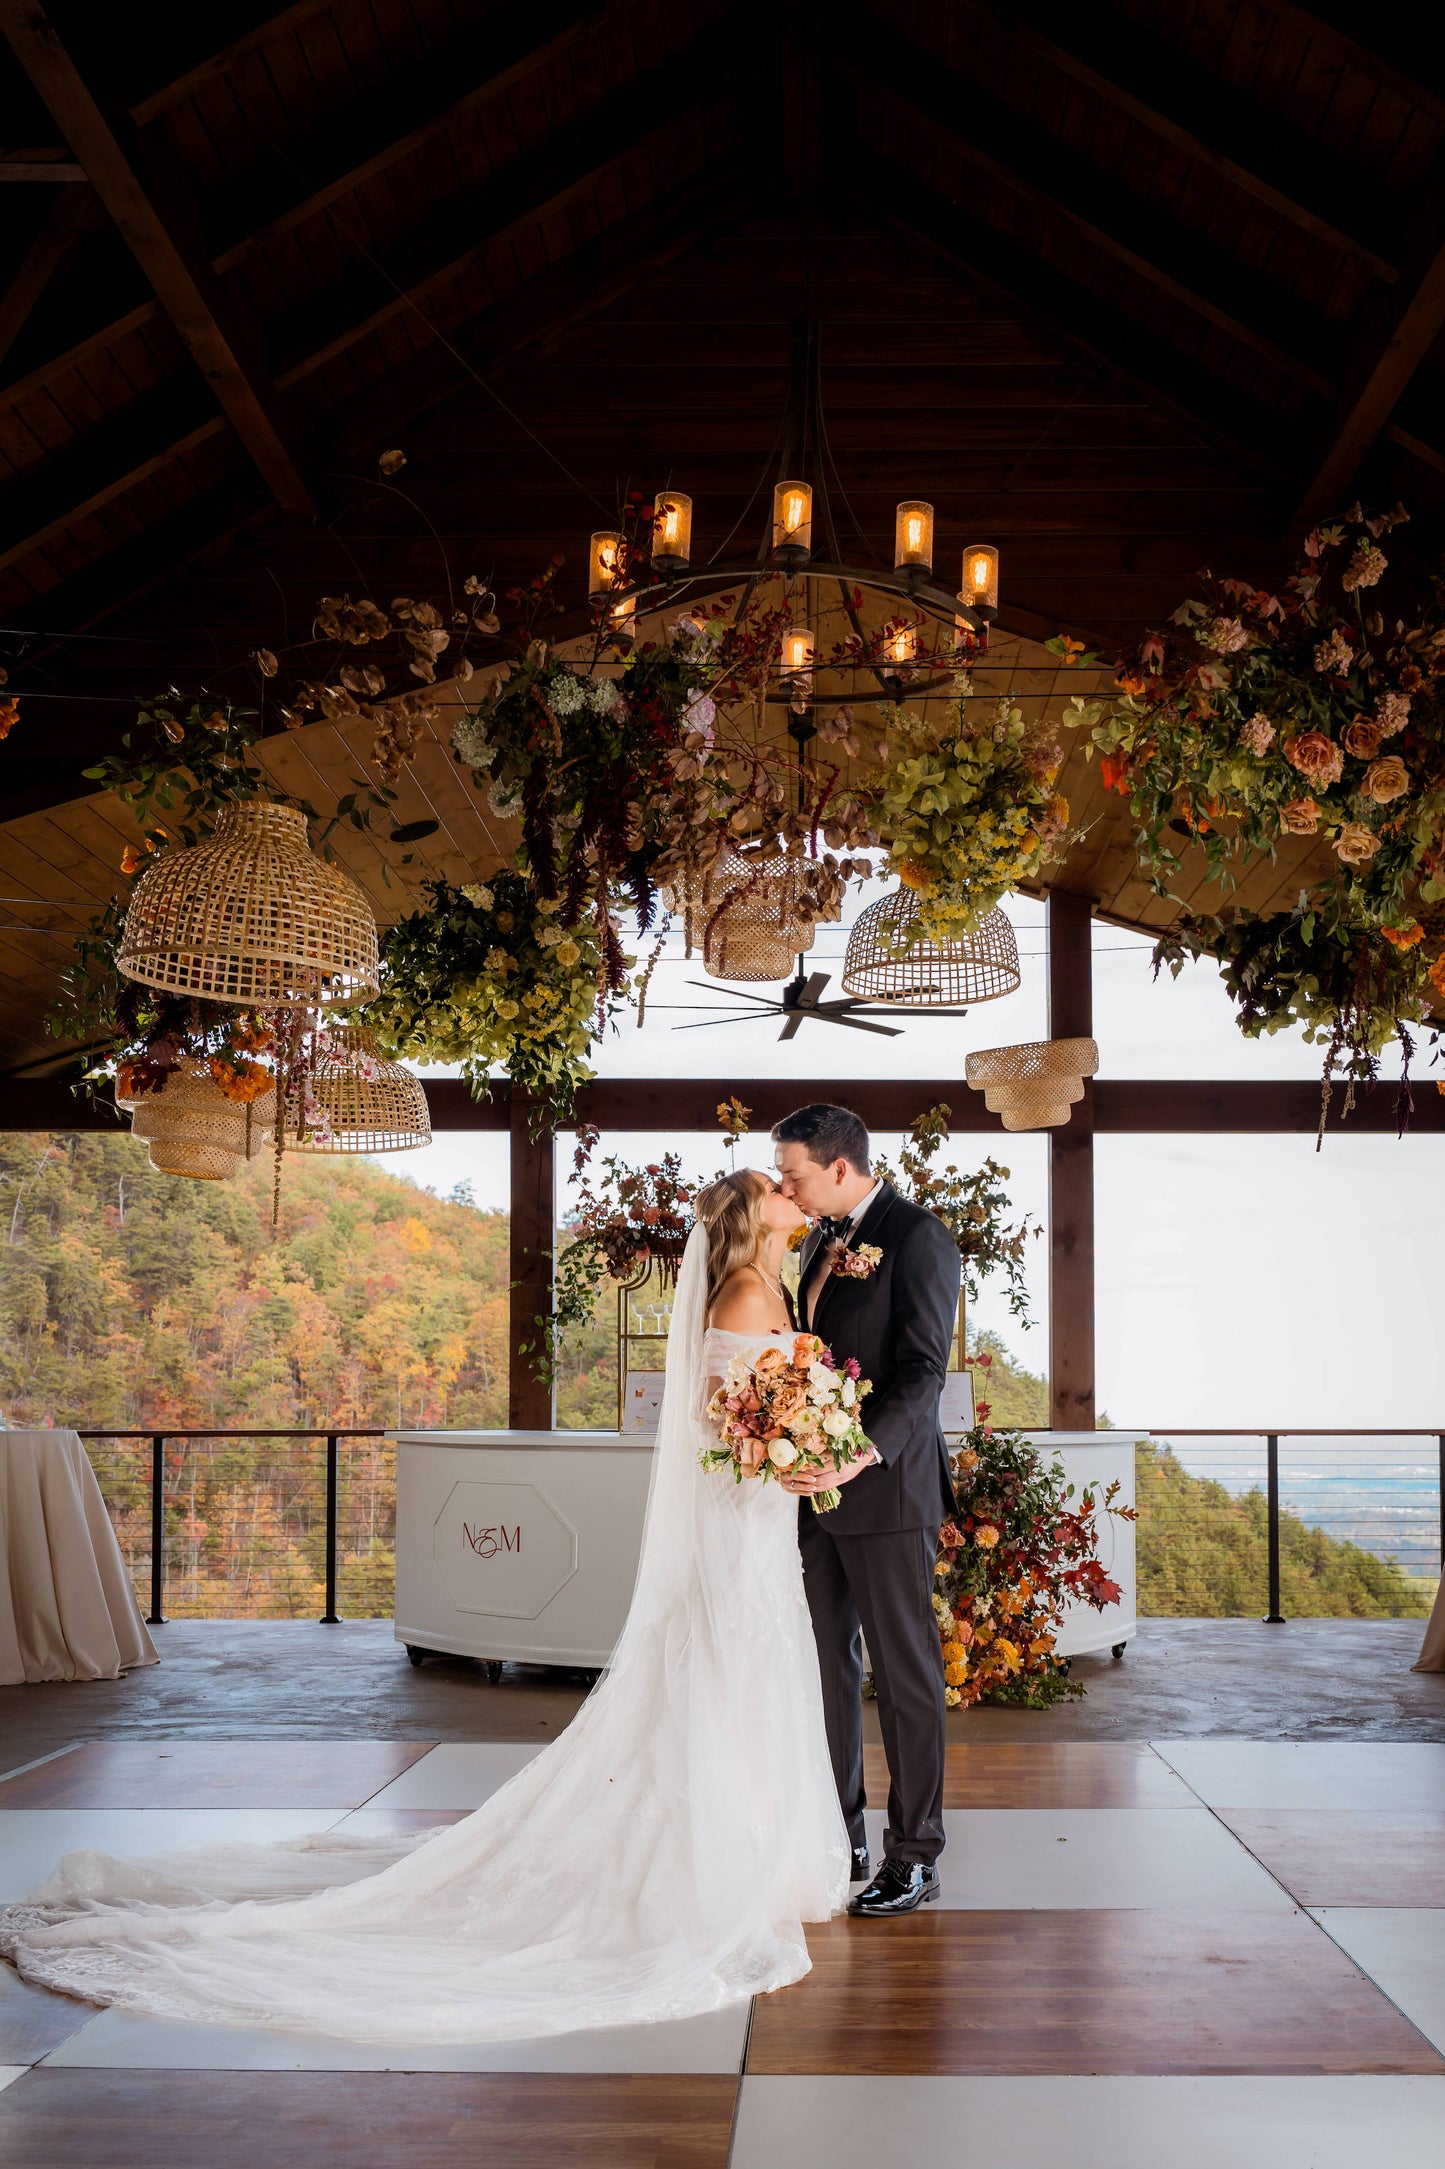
[
  {"x": 522, "y": 1546},
  {"x": 518, "y": 1545}
]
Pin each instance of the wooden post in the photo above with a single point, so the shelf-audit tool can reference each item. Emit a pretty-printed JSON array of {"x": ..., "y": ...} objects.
[
  {"x": 1071, "y": 1177},
  {"x": 529, "y": 1402}
]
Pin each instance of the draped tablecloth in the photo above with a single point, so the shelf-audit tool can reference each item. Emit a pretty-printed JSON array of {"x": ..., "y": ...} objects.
[
  {"x": 1432, "y": 1655},
  {"x": 67, "y": 1608}
]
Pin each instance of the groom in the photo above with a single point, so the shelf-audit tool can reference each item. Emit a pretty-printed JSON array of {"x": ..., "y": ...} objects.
[{"x": 868, "y": 1565}]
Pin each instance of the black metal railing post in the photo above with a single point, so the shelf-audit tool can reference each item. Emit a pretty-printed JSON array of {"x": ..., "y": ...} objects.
[
  {"x": 1274, "y": 1617},
  {"x": 1442, "y": 1502},
  {"x": 330, "y": 1617},
  {"x": 156, "y": 1616}
]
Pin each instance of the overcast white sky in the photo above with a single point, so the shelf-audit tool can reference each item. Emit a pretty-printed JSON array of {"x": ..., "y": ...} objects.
[{"x": 1243, "y": 1280}]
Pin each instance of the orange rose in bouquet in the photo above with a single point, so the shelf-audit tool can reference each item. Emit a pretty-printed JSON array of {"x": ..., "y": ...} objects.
[{"x": 781, "y": 1410}]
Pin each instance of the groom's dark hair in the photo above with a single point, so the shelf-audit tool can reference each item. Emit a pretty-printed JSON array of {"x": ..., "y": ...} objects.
[{"x": 829, "y": 1133}]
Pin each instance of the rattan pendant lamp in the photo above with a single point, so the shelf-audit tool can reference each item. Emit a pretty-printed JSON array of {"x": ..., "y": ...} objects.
[
  {"x": 194, "y": 1129},
  {"x": 252, "y": 916},
  {"x": 360, "y": 1101},
  {"x": 1033, "y": 1086},
  {"x": 883, "y": 965}
]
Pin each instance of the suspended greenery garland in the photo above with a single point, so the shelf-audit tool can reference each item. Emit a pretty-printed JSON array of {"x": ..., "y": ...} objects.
[
  {"x": 971, "y": 1206},
  {"x": 491, "y": 976},
  {"x": 1257, "y": 717}
]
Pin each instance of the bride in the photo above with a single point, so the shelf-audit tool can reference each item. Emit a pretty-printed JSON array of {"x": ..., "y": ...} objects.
[{"x": 658, "y": 1859}]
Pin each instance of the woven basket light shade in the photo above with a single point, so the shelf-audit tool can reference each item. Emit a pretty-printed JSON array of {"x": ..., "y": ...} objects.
[
  {"x": 928, "y": 974},
  {"x": 193, "y": 1129},
  {"x": 365, "y": 1102},
  {"x": 1033, "y": 1086},
  {"x": 736, "y": 949},
  {"x": 252, "y": 916}
]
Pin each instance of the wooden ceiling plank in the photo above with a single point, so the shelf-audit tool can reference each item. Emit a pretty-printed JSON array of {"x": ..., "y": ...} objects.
[
  {"x": 1206, "y": 405},
  {"x": 153, "y": 228},
  {"x": 1393, "y": 340},
  {"x": 69, "y": 215},
  {"x": 1127, "y": 65},
  {"x": 1115, "y": 218}
]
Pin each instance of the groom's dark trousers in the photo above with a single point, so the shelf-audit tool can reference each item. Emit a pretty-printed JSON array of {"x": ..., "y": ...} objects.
[{"x": 868, "y": 1565}]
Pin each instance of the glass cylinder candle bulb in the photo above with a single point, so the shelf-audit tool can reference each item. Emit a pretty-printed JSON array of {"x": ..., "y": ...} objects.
[
  {"x": 672, "y": 531},
  {"x": 622, "y": 619},
  {"x": 901, "y": 644},
  {"x": 606, "y": 562},
  {"x": 980, "y": 577},
  {"x": 793, "y": 523},
  {"x": 797, "y": 652},
  {"x": 913, "y": 536}
]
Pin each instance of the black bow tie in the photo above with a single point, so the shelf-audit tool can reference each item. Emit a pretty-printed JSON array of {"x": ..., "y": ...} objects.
[{"x": 835, "y": 1230}]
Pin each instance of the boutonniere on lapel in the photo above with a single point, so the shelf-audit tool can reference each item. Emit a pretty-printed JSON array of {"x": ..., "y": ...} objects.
[{"x": 859, "y": 1264}]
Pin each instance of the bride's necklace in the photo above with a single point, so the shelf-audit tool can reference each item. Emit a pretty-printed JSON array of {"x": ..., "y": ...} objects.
[{"x": 775, "y": 1285}]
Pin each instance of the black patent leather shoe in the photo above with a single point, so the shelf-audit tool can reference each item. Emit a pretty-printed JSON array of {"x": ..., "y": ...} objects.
[
  {"x": 900, "y": 1886},
  {"x": 860, "y": 1870}
]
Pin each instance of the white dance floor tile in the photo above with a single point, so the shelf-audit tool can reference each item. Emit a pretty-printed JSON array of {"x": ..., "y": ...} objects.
[
  {"x": 1402, "y": 1948},
  {"x": 1310, "y": 1773},
  {"x": 32, "y": 1840},
  {"x": 9, "y": 2073},
  {"x": 1140, "y": 1859},
  {"x": 457, "y": 1775},
  {"x": 1088, "y": 2123},
  {"x": 116, "y": 2041}
]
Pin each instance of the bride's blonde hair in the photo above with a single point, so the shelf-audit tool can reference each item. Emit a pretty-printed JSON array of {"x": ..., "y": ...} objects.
[{"x": 731, "y": 1209}]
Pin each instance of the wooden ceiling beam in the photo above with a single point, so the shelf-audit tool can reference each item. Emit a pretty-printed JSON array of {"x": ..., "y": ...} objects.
[
  {"x": 1395, "y": 333},
  {"x": 68, "y": 217},
  {"x": 1212, "y": 411},
  {"x": 1209, "y": 281},
  {"x": 369, "y": 293},
  {"x": 152, "y": 221},
  {"x": 1135, "y": 70},
  {"x": 46, "y": 167}
]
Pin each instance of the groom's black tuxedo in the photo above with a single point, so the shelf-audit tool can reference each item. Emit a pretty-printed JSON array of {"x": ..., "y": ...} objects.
[
  {"x": 899, "y": 1325},
  {"x": 868, "y": 1565}
]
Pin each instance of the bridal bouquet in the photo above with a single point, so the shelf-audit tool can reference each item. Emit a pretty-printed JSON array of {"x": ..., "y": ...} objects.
[{"x": 784, "y": 1412}]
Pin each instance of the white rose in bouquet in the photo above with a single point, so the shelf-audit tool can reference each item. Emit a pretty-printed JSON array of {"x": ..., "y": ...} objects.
[
  {"x": 782, "y": 1453},
  {"x": 837, "y": 1423}
]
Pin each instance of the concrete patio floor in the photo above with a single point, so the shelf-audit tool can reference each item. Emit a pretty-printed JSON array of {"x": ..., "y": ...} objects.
[{"x": 1311, "y": 1679}]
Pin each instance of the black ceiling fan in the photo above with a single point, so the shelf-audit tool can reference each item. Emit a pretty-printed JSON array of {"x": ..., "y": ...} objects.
[{"x": 801, "y": 999}]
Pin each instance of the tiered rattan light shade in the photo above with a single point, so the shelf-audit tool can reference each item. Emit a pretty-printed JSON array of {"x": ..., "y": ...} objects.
[
  {"x": 1033, "y": 1086},
  {"x": 252, "y": 916},
  {"x": 362, "y": 1101},
  {"x": 752, "y": 928},
  {"x": 193, "y": 1129},
  {"x": 882, "y": 965}
]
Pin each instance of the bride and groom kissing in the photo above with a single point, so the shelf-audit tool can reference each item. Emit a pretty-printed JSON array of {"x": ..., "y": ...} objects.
[
  {"x": 717, "y": 1767},
  {"x": 878, "y": 1282}
]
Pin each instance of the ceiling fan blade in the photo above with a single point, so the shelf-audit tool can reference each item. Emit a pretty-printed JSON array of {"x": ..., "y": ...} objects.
[
  {"x": 855, "y": 1024},
  {"x": 735, "y": 994},
  {"x": 754, "y": 1016},
  {"x": 810, "y": 993},
  {"x": 794, "y": 1024}
]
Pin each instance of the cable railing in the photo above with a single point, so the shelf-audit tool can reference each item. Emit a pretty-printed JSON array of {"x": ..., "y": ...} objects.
[
  {"x": 274, "y": 1495},
  {"x": 1350, "y": 1529},
  {"x": 1302, "y": 1522}
]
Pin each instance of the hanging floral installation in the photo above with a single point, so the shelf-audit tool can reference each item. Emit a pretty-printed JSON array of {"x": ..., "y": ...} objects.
[
  {"x": 1315, "y": 713},
  {"x": 1022, "y": 1546},
  {"x": 494, "y": 975},
  {"x": 971, "y": 1206}
]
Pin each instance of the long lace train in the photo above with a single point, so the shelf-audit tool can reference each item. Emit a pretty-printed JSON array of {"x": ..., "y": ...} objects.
[{"x": 658, "y": 1859}]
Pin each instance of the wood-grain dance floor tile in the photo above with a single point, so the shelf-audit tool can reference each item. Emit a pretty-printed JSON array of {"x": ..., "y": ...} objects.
[
  {"x": 33, "y": 2021},
  {"x": 1345, "y": 1856},
  {"x": 400, "y": 1822},
  {"x": 1045, "y": 1774},
  {"x": 213, "y": 1773},
  {"x": 364, "y": 2120},
  {"x": 1105, "y": 1992}
]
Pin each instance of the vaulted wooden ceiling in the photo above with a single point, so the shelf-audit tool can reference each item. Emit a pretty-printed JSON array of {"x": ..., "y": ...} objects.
[{"x": 1125, "y": 289}]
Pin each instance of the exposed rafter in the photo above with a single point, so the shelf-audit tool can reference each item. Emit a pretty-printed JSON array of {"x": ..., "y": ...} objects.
[
  {"x": 1213, "y": 411},
  {"x": 1131, "y": 67},
  {"x": 1125, "y": 225},
  {"x": 142, "y": 438},
  {"x": 69, "y": 214},
  {"x": 152, "y": 222},
  {"x": 1393, "y": 339}
]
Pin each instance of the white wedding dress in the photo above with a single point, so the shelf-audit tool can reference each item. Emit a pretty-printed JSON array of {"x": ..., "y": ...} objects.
[{"x": 657, "y": 1860}]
